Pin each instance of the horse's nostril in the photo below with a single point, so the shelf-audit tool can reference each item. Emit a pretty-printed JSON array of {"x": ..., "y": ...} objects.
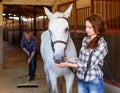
[{"x": 58, "y": 59}]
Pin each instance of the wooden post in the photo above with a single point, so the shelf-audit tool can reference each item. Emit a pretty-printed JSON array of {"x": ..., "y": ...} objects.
[
  {"x": 92, "y": 7},
  {"x": 20, "y": 32},
  {"x": 75, "y": 16},
  {"x": 34, "y": 21},
  {"x": 13, "y": 35},
  {"x": 1, "y": 36}
]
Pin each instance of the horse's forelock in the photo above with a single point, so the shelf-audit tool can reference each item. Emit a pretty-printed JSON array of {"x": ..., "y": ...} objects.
[
  {"x": 55, "y": 16},
  {"x": 58, "y": 15}
]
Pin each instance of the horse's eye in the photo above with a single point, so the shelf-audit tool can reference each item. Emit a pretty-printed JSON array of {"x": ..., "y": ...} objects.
[{"x": 67, "y": 29}]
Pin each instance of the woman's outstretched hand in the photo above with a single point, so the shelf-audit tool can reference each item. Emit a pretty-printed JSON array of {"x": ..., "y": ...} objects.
[
  {"x": 66, "y": 63},
  {"x": 61, "y": 65},
  {"x": 68, "y": 59}
]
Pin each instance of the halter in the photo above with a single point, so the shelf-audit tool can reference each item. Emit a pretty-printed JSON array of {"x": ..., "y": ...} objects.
[
  {"x": 59, "y": 41},
  {"x": 63, "y": 42}
]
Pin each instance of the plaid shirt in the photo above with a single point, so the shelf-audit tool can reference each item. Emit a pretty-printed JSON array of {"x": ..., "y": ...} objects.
[{"x": 97, "y": 58}]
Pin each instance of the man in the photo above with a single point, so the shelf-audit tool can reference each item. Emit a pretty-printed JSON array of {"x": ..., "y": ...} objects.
[{"x": 29, "y": 45}]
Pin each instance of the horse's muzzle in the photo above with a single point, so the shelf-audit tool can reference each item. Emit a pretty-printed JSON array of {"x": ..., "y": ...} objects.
[{"x": 58, "y": 61}]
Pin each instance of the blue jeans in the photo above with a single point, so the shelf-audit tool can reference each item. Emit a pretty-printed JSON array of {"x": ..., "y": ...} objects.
[
  {"x": 32, "y": 66},
  {"x": 94, "y": 86}
]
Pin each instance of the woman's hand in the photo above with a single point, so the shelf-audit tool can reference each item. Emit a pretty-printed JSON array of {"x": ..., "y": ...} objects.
[
  {"x": 68, "y": 63},
  {"x": 68, "y": 59},
  {"x": 62, "y": 65}
]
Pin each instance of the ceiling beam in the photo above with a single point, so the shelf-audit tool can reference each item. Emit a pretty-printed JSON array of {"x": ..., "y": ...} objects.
[{"x": 29, "y": 2}]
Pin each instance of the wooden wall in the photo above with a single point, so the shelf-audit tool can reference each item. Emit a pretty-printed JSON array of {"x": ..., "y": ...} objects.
[
  {"x": 109, "y": 10},
  {"x": 113, "y": 57}
]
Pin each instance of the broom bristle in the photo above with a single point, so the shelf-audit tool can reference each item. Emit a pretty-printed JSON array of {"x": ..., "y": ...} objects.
[{"x": 26, "y": 85}]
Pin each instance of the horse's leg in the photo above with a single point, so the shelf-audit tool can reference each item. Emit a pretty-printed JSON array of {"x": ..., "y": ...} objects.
[
  {"x": 69, "y": 82},
  {"x": 54, "y": 83},
  {"x": 47, "y": 78}
]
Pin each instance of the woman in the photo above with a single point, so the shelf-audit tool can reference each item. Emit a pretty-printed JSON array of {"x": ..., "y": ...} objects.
[{"x": 94, "y": 43}]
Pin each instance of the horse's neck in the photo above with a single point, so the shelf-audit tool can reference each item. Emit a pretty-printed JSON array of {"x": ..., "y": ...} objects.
[
  {"x": 71, "y": 50},
  {"x": 69, "y": 43},
  {"x": 45, "y": 38}
]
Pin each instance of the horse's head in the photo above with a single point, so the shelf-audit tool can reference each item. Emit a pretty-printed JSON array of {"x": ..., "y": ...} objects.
[{"x": 59, "y": 32}]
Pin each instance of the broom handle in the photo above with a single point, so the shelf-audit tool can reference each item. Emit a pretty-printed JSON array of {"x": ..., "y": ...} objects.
[{"x": 27, "y": 72}]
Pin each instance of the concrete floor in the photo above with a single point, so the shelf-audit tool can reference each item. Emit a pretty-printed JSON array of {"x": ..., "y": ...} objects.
[{"x": 14, "y": 71}]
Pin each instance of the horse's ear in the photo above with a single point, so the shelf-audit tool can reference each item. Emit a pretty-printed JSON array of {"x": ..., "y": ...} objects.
[
  {"x": 68, "y": 11},
  {"x": 47, "y": 12}
]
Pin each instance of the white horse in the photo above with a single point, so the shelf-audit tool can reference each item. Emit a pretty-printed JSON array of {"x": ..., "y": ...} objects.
[{"x": 56, "y": 43}]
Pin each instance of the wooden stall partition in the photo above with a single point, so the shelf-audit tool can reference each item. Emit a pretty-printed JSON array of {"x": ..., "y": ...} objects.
[
  {"x": 110, "y": 11},
  {"x": 82, "y": 13},
  {"x": 20, "y": 18}
]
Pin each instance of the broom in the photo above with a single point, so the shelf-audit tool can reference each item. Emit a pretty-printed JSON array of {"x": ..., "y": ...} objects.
[{"x": 27, "y": 84}]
